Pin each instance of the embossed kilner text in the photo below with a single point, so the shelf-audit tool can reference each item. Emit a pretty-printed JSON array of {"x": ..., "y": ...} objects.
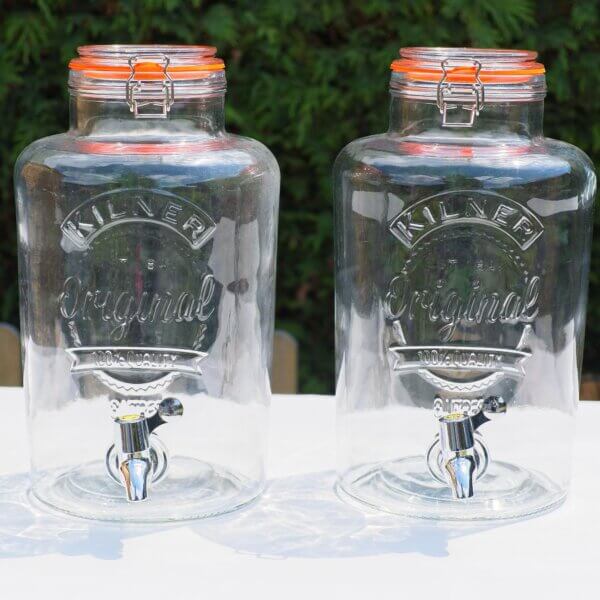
[
  {"x": 102, "y": 212},
  {"x": 428, "y": 215}
]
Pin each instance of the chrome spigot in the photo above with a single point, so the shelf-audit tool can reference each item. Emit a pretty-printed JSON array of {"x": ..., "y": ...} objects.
[
  {"x": 457, "y": 447},
  {"x": 461, "y": 455},
  {"x": 133, "y": 452},
  {"x": 138, "y": 458}
]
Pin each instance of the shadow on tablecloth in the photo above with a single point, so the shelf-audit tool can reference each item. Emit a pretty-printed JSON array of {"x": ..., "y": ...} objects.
[
  {"x": 298, "y": 516},
  {"x": 28, "y": 530},
  {"x": 301, "y": 516}
]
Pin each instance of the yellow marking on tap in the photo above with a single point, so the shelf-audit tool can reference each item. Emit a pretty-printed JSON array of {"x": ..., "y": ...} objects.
[
  {"x": 455, "y": 416},
  {"x": 128, "y": 418}
]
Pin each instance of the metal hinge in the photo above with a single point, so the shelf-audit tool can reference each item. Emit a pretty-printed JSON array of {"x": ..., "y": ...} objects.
[
  {"x": 145, "y": 93},
  {"x": 457, "y": 95}
]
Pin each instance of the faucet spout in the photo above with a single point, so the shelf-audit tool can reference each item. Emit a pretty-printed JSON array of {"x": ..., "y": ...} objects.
[
  {"x": 459, "y": 465},
  {"x": 134, "y": 458},
  {"x": 460, "y": 472},
  {"x": 135, "y": 474}
]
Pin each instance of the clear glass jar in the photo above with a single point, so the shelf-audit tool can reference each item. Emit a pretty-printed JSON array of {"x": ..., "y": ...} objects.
[
  {"x": 147, "y": 265},
  {"x": 462, "y": 258}
]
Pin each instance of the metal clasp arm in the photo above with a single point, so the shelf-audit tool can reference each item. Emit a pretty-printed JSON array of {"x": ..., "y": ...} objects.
[
  {"x": 137, "y": 88},
  {"x": 451, "y": 95}
]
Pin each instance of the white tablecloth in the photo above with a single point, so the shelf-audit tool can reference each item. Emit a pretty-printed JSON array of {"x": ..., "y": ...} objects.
[{"x": 299, "y": 540}]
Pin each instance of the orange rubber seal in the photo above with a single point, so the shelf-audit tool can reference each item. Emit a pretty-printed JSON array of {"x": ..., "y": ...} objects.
[
  {"x": 417, "y": 71},
  {"x": 145, "y": 71},
  {"x": 146, "y": 62}
]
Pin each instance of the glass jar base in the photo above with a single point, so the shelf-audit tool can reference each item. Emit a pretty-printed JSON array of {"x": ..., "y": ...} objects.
[
  {"x": 193, "y": 489},
  {"x": 406, "y": 487}
]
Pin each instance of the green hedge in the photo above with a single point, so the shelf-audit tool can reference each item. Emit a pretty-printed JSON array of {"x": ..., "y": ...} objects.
[{"x": 305, "y": 77}]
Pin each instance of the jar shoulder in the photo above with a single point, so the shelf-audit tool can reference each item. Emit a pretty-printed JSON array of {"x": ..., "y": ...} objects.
[
  {"x": 373, "y": 147},
  {"x": 68, "y": 152},
  {"x": 251, "y": 145},
  {"x": 577, "y": 159},
  {"x": 359, "y": 150},
  {"x": 38, "y": 150},
  {"x": 386, "y": 160},
  {"x": 256, "y": 150}
]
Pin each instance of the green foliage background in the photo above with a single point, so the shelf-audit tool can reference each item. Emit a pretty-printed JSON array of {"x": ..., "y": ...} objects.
[{"x": 305, "y": 77}]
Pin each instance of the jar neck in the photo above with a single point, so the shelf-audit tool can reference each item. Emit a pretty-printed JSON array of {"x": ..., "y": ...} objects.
[
  {"x": 202, "y": 115},
  {"x": 496, "y": 120}
]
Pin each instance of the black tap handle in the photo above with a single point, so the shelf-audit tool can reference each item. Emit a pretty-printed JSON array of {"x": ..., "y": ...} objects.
[
  {"x": 169, "y": 407},
  {"x": 479, "y": 419}
]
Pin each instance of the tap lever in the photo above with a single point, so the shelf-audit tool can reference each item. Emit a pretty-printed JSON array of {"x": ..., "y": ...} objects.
[
  {"x": 167, "y": 409},
  {"x": 494, "y": 405},
  {"x": 170, "y": 407},
  {"x": 479, "y": 419}
]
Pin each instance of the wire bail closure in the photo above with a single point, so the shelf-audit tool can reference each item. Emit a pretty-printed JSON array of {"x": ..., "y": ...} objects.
[
  {"x": 142, "y": 93},
  {"x": 452, "y": 95}
]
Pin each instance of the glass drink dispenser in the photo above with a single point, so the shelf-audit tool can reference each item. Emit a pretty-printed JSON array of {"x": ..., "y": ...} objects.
[
  {"x": 147, "y": 264},
  {"x": 462, "y": 257}
]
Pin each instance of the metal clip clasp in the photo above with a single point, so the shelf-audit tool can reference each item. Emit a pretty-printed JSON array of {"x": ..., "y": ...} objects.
[
  {"x": 468, "y": 96},
  {"x": 143, "y": 93}
]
